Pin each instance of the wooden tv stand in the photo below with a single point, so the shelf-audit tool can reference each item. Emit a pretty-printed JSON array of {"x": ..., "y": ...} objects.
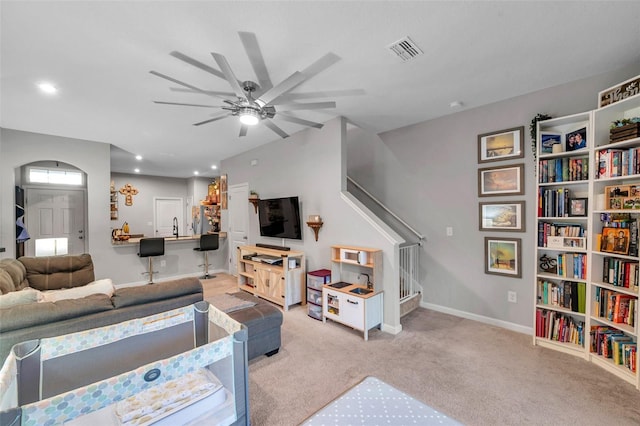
[{"x": 282, "y": 282}]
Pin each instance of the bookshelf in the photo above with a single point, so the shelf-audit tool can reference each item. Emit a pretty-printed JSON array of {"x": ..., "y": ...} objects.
[{"x": 586, "y": 280}]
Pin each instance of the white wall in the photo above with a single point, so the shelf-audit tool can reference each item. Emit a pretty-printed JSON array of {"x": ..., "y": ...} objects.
[
  {"x": 310, "y": 165},
  {"x": 121, "y": 264},
  {"x": 427, "y": 173}
]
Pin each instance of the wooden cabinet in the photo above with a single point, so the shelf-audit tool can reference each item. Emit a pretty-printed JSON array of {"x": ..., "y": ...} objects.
[{"x": 274, "y": 275}]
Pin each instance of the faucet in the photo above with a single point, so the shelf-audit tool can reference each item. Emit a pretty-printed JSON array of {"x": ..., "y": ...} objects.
[
  {"x": 175, "y": 227},
  {"x": 369, "y": 283}
]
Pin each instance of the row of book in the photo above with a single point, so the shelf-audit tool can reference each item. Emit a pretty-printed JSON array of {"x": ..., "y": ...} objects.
[
  {"x": 614, "y": 344},
  {"x": 572, "y": 265},
  {"x": 553, "y": 202},
  {"x": 548, "y": 229},
  {"x": 617, "y": 162},
  {"x": 620, "y": 273},
  {"x": 560, "y": 327},
  {"x": 615, "y": 307},
  {"x": 563, "y": 169},
  {"x": 566, "y": 294}
]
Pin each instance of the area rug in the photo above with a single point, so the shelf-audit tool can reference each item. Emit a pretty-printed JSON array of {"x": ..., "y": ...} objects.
[
  {"x": 373, "y": 402},
  {"x": 229, "y": 303}
]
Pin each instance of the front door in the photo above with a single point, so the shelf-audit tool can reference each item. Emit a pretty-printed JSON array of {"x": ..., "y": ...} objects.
[
  {"x": 238, "y": 222},
  {"x": 168, "y": 212},
  {"x": 55, "y": 221}
]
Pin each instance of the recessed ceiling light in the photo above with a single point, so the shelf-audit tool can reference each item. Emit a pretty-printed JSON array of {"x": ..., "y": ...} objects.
[
  {"x": 47, "y": 87},
  {"x": 456, "y": 104},
  {"x": 214, "y": 167},
  {"x": 136, "y": 170},
  {"x": 139, "y": 157},
  {"x": 196, "y": 173}
]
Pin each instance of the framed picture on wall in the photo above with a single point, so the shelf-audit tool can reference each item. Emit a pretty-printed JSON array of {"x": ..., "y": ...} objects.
[
  {"x": 502, "y": 216},
  {"x": 501, "y": 145},
  {"x": 503, "y": 180},
  {"x": 502, "y": 256}
]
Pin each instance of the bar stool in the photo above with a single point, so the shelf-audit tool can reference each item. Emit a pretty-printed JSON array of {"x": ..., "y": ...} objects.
[
  {"x": 208, "y": 242},
  {"x": 150, "y": 247}
]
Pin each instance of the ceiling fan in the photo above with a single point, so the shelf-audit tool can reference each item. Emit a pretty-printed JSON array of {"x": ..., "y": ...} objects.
[{"x": 257, "y": 102}]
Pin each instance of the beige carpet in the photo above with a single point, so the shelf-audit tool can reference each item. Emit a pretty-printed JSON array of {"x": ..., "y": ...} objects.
[{"x": 475, "y": 373}]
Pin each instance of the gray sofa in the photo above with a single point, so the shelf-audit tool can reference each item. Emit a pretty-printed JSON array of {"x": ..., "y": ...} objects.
[{"x": 46, "y": 319}]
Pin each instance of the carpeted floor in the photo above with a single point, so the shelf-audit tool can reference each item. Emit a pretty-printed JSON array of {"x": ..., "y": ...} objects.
[{"x": 472, "y": 372}]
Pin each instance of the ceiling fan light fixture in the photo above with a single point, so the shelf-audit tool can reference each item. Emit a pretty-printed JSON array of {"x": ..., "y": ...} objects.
[{"x": 249, "y": 116}]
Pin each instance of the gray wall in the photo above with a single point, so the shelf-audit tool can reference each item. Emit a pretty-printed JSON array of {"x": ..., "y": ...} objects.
[
  {"x": 427, "y": 173},
  {"x": 310, "y": 165}
]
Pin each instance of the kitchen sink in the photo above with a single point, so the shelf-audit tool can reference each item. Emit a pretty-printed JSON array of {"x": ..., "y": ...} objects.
[{"x": 360, "y": 290}]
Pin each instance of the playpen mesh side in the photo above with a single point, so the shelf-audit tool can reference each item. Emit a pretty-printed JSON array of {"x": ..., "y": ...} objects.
[{"x": 63, "y": 350}]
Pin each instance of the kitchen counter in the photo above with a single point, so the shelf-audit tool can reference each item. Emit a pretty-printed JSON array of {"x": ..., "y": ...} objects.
[
  {"x": 349, "y": 289},
  {"x": 170, "y": 240}
]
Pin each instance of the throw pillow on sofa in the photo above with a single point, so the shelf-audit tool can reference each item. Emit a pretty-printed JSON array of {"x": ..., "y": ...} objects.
[
  {"x": 104, "y": 286},
  {"x": 22, "y": 297}
]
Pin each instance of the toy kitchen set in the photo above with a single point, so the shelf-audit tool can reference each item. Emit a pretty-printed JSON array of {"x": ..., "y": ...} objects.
[{"x": 352, "y": 297}]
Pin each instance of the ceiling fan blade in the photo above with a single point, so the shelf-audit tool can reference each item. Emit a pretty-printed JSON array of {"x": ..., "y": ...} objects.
[
  {"x": 181, "y": 83},
  {"x": 197, "y": 64},
  {"x": 178, "y": 103},
  {"x": 219, "y": 117},
  {"x": 243, "y": 130},
  {"x": 308, "y": 105},
  {"x": 324, "y": 94},
  {"x": 252, "y": 48},
  {"x": 270, "y": 124},
  {"x": 320, "y": 65},
  {"x": 208, "y": 92},
  {"x": 287, "y": 84},
  {"x": 229, "y": 75},
  {"x": 297, "y": 120}
]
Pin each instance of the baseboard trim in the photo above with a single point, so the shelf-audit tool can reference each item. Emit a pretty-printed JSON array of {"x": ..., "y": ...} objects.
[
  {"x": 480, "y": 318},
  {"x": 391, "y": 329}
]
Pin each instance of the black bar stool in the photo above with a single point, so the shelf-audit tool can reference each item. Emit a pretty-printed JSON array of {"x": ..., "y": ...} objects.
[
  {"x": 208, "y": 242},
  {"x": 150, "y": 247}
]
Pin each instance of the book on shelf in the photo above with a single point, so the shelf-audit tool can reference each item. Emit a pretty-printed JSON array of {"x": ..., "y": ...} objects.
[
  {"x": 613, "y": 306},
  {"x": 565, "y": 294},
  {"x": 563, "y": 169},
  {"x": 620, "y": 272},
  {"x": 617, "y": 162},
  {"x": 559, "y": 327}
]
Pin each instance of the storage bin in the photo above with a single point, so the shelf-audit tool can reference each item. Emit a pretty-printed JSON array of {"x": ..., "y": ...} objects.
[
  {"x": 314, "y": 296},
  {"x": 316, "y": 279},
  {"x": 314, "y": 311}
]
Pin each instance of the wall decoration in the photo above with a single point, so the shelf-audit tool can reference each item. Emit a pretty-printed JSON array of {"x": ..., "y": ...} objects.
[
  {"x": 502, "y": 216},
  {"x": 503, "y": 180},
  {"x": 615, "y": 240},
  {"x": 501, "y": 145},
  {"x": 502, "y": 256},
  {"x": 550, "y": 142},
  {"x": 619, "y": 92},
  {"x": 128, "y": 191}
]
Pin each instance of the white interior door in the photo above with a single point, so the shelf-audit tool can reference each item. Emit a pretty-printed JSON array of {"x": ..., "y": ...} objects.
[
  {"x": 55, "y": 221},
  {"x": 165, "y": 210},
  {"x": 238, "y": 230}
]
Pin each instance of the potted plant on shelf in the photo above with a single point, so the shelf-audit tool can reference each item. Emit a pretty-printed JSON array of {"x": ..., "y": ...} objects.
[{"x": 253, "y": 195}]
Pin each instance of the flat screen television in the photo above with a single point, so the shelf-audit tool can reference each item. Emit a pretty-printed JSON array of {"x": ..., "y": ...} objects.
[{"x": 280, "y": 218}]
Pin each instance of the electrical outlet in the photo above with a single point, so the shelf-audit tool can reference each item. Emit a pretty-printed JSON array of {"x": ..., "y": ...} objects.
[
  {"x": 512, "y": 296},
  {"x": 449, "y": 231},
  {"x": 163, "y": 263}
]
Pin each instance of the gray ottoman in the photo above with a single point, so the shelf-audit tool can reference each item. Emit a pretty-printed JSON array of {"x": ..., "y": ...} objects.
[{"x": 263, "y": 321}]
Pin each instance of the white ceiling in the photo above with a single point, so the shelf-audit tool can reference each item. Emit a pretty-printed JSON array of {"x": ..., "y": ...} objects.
[{"x": 99, "y": 54}]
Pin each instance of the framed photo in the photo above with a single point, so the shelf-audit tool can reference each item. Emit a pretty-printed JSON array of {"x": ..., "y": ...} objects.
[
  {"x": 503, "y": 180},
  {"x": 502, "y": 256},
  {"x": 501, "y": 145},
  {"x": 578, "y": 206},
  {"x": 615, "y": 240},
  {"x": 502, "y": 216},
  {"x": 549, "y": 140},
  {"x": 576, "y": 140}
]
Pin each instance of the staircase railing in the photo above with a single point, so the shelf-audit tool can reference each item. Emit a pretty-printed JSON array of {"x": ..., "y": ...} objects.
[{"x": 409, "y": 256}]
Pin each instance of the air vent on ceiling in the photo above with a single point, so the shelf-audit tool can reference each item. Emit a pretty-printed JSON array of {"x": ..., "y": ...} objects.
[{"x": 405, "y": 49}]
